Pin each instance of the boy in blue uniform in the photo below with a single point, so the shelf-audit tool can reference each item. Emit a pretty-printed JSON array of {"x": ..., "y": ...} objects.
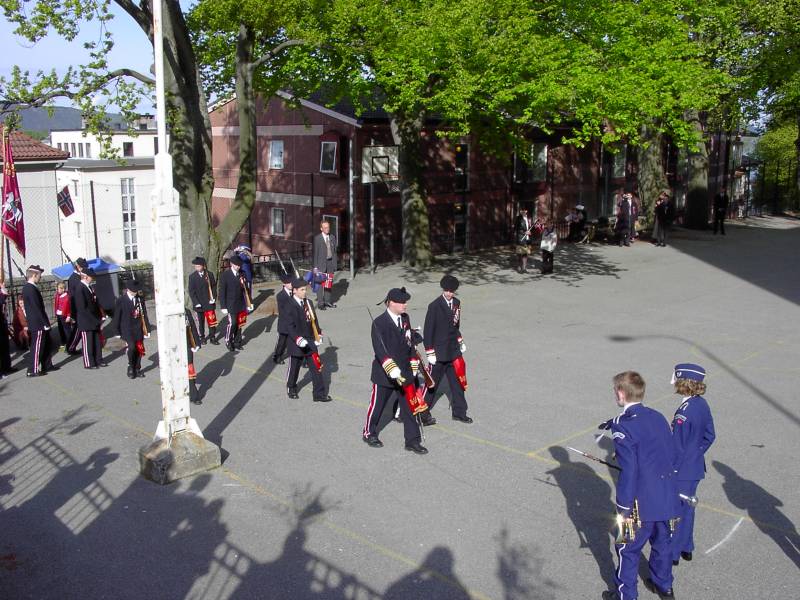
[
  {"x": 643, "y": 447},
  {"x": 692, "y": 435}
]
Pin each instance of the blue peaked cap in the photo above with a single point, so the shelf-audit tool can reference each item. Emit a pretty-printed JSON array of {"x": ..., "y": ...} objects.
[{"x": 690, "y": 371}]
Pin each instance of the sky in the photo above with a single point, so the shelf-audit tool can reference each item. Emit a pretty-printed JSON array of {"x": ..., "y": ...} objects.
[{"x": 131, "y": 49}]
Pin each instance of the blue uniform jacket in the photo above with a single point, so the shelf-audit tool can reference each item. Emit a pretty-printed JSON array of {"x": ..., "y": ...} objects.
[
  {"x": 643, "y": 446},
  {"x": 692, "y": 434}
]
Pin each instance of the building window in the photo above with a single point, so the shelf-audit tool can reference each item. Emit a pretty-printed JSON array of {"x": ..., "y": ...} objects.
[
  {"x": 277, "y": 225},
  {"x": 276, "y": 154},
  {"x": 88, "y": 150},
  {"x": 74, "y": 188},
  {"x": 462, "y": 167},
  {"x": 129, "y": 219},
  {"x": 127, "y": 148},
  {"x": 72, "y": 152},
  {"x": 155, "y": 146},
  {"x": 78, "y": 229},
  {"x": 618, "y": 170},
  {"x": 327, "y": 160},
  {"x": 539, "y": 161},
  {"x": 80, "y": 150}
]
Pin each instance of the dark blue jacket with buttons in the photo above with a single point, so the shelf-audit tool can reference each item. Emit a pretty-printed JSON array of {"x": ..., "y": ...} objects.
[{"x": 692, "y": 434}]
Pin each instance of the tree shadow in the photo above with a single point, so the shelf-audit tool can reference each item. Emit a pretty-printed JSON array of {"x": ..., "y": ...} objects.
[
  {"x": 589, "y": 507},
  {"x": 762, "y": 508},
  {"x": 520, "y": 571}
]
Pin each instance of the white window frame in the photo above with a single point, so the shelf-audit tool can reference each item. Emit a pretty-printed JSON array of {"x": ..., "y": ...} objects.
[
  {"x": 274, "y": 211},
  {"x": 539, "y": 155},
  {"x": 619, "y": 163},
  {"x": 88, "y": 150},
  {"x": 132, "y": 154},
  {"x": 130, "y": 241},
  {"x": 276, "y": 153},
  {"x": 332, "y": 167}
]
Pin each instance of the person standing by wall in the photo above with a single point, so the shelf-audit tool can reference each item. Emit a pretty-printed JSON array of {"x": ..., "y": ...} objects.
[
  {"x": 720, "y": 209},
  {"x": 325, "y": 262}
]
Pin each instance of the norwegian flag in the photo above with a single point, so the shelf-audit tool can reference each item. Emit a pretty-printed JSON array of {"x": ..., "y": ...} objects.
[
  {"x": 13, "y": 226},
  {"x": 65, "y": 202}
]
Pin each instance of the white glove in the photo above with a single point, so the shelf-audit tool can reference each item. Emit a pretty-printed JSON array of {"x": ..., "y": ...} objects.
[
  {"x": 463, "y": 347},
  {"x": 47, "y": 327},
  {"x": 431, "y": 359},
  {"x": 224, "y": 311},
  {"x": 302, "y": 343},
  {"x": 319, "y": 342},
  {"x": 198, "y": 305},
  {"x": 116, "y": 337},
  {"x": 105, "y": 317},
  {"x": 212, "y": 301},
  {"x": 59, "y": 312},
  {"x": 395, "y": 373},
  {"x": 196, "y": 348},
  {"x": 250, "y": 309},
  {"x": 147, "y": 336}
]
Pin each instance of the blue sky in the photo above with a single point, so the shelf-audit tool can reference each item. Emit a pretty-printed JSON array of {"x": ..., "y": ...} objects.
[{"x": 131, "y": 49}]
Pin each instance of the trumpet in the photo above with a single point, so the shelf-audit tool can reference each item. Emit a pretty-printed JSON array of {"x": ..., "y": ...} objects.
[
  {"x": 628, "y": 526},
  {"x": 690, "y": 500}
]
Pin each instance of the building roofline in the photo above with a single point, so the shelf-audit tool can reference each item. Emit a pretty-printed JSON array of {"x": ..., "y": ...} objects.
[{"x": 319, "y": 108}]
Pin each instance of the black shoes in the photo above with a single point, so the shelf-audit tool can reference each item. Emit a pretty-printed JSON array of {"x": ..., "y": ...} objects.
[
  {"x": 648, "y": 583},
  {"x": 197, "y": 401},
  {"x": 292, "y": 393},
  {"x": 323, "y": 399},
  {"x": 609, "y": 595},
  {"x": 687, "y": 556},
  {"x": 372, "y": 441},
  {"x": 428, "y": 419},
  {"x": 39, "y": 374},
  {"x": 213, "y": 341},
  {"x": 416, "y": 448},
  {"x": 464, "y": 419},
  {"x": 277, "y": 360}
]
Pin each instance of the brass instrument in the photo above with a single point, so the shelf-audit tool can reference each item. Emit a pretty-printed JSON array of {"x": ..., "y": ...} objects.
[
  {"x": 628, "y": 526},
  {"x": 313, "y": 319}
]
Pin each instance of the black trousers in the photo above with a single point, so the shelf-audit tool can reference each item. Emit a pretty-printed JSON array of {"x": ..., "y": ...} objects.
[
  {"x": 719, "y": 221},
  {"x": 293, "y": 371},
  {"x": 92, "y": 349},
  {"x": 64, "y": 330},
  {"x": 383, "y": 399},
  {"x": 232, "y": 333},
  {"x": 457, "y": 399},
  {"x": 72, "y": 344},
  {"x": 39, "y": 355},
  {"x": 5, "y": 348},
  {"x": 280, "y": 347},
  {"x": 547, "y": 262},
  {"x": 134, "y": 358},
  {"x": 201, "y": 325}
]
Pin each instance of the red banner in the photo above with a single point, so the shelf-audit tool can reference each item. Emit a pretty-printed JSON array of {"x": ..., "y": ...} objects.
[{"x": 13, "y": 226}]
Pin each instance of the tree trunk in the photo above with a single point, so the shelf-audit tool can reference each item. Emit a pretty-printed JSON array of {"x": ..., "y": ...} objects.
[
  {"x": 190, "y": 135},
  {"x": 652, "y": 178},
  {"x": 245, "y": 198},
  {"x": 697, "y": 195},
  {"x": 407, "y": 134}
]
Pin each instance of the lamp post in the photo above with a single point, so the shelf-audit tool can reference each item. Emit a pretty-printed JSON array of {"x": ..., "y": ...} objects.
[{"x": 178, "y": 448}]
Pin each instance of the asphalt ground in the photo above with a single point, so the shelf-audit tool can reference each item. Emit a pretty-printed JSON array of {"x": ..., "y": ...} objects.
[{"x": 301, "y": 508}]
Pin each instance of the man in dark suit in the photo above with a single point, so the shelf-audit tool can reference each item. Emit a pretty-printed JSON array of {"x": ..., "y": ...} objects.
[
  {"x": 304, "y": 336},
  {"x": 646, "y": 489},
  {"x": 325, "y": 262},
  {"x": 89, "y": 317},
  {"x": 132, "y": 325},
  {"x": 38, "y": 323},
  {"x": 393, "y": 342},
  {"x": 720, "y": 210},
  {"x": 235, "y": 302},
  {"x": 201, "y": 293},
  {"x": 283, "y": 299},
  {"x": 444, "y": 346},
  {"x": 73, "y": 287}
]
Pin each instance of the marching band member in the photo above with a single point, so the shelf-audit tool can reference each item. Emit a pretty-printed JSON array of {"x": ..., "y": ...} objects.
[
  {"x": 283, "y": 299},
  {"x": 444, "y": 346},
  {"x": 89, "y": 317},
  {"x": 646, "y": 491},
  {"x": 393, "y": 345},
  {"x": 73, "y": 288},
  {"x": 38, "y": 323},
  {"x": 235, "y": 302},
  {"x": 692, "y": 435},
  {"x": 192, "y": 346},
  {"x": 132, "y": 325},
  {"x": 201, "y": 292},
  {"x": 305, "y": 337}
]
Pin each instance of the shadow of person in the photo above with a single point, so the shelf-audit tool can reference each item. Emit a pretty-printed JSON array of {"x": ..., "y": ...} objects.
[
  {"x": 588, "y": 502},
  {"x": 434, "y": 578},
  {"x": 520, "y": 571},
  {"x": 153, "y": 358},
  {"x": 762, "y": 508},
  {"x": 254, "y": 329},
  {"x": 339, "y": 290},
  {"x": 262, "y": 296},
  {"x": 208, "y": 375}
]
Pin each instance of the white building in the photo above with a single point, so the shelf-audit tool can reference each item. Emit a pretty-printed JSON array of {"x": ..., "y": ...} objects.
[
  {"x": 81, "y": 144},
  {"x": 36, "y": 165}
]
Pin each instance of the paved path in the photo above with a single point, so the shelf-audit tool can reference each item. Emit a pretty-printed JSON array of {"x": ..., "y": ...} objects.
[{"x": 499, "y": 509}]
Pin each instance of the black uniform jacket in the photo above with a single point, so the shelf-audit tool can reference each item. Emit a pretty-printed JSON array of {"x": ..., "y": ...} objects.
[
  {"x": 128, "y": 317},
  {"x": 87, "y": 309},
  {"x": 72, "y": 287},
  {"x": 298, "y": 326},
  {"x": 231, "y": 291},
  {"x": 283, "y": 299},
  {"x": 199, "y": 286},
  {"x": 34, "y": 308},
  {"x": 391, "y": 342},
  {"x": 441, "y": 329}
]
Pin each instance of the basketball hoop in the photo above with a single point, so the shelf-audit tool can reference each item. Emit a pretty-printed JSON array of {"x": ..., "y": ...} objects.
[{"x": 391, "y": 182}]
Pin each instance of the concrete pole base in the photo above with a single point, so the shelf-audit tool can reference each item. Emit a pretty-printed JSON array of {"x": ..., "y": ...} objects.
[{"x": 188, "y": 455}]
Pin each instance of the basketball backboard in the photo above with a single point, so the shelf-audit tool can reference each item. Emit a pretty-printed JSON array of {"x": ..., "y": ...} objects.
[{"x": 379, "y": 164}]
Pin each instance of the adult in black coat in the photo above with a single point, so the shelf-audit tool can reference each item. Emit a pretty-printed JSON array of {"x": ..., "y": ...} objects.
[
  {"x": 283, "y": 299},
  {"x": 623, "y": 225},
  {"x": 5, "y": 351},
  {"x": 234, "y": 300},
  {"x": 304, "y": 335},
  {"x": 393, "y": 342},
  {"x": 89, "y": 318},
  {"x": 201, "y": 292},
  {"x": 132, "y": 325},
  {"x": 720, "y": 210},
  {"x": 73, "y": 287},
  {"x": 444, "y": 346},
  {"x": 38, "y": 323}
]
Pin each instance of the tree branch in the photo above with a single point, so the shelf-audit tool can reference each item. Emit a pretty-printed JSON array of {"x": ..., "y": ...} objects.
[
  {"x": 142, "y": 17},
  {"x": 128, "y": 73},
  {"x": 272, "y": 53}
]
